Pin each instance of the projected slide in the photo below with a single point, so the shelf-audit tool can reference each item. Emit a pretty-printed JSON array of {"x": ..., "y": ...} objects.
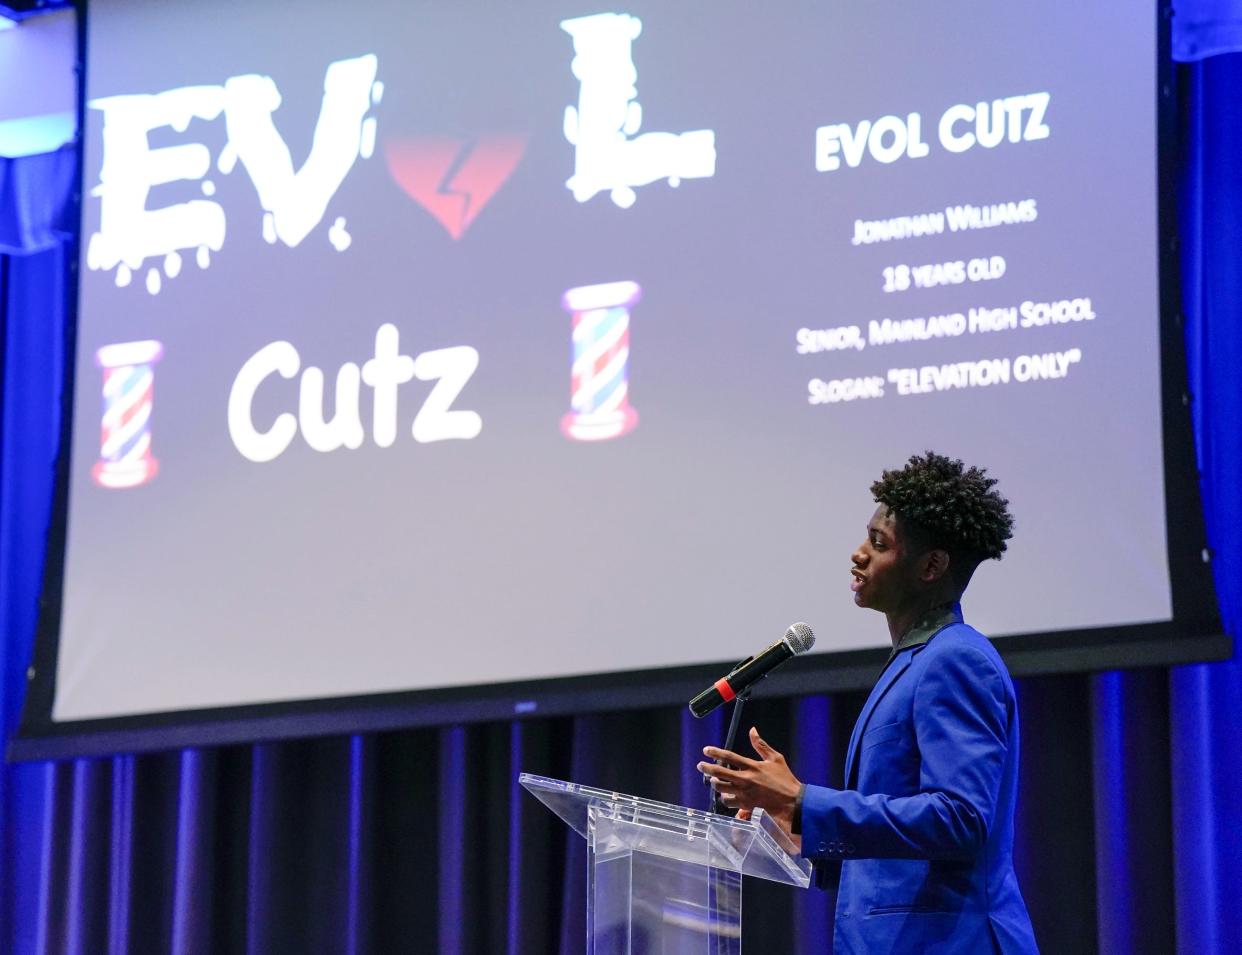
[{"x": 431, "y": 345}]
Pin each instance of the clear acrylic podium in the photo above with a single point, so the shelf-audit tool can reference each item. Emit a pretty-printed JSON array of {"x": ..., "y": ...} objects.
[{"x": 667, "y": 879}]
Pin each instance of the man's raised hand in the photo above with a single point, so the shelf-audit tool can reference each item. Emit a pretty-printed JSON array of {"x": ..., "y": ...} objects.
[{"x": 744, "y": 784}]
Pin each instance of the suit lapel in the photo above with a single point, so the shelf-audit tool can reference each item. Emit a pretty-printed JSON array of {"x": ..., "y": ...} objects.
[
  {"x": 935, "y": 620},
  {"x": 890, "y": 676}
]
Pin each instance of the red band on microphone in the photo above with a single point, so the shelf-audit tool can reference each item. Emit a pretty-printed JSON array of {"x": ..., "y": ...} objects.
[{"x": 725, "y": 691}]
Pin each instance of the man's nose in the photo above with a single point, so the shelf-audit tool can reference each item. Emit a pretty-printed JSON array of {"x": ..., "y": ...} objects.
[{"x": 859, "y": 556}]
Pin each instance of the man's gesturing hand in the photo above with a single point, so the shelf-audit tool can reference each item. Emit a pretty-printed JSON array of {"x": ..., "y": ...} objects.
[{"x": 744, "y": 783}]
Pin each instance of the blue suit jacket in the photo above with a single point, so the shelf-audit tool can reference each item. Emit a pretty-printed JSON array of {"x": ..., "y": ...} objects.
[{"x": 924, "y": 827}]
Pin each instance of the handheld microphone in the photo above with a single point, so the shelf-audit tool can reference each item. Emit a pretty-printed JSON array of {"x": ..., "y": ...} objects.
[{"x": 797, "y": 639}]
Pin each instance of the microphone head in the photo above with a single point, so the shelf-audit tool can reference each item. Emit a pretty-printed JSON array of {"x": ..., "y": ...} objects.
[{"x": 800, "y": 638}]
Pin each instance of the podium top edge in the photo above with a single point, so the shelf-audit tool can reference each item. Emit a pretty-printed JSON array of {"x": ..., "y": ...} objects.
[
  {"x": 533, "y": 782},
  {"x": 760, "y": 820},
  {"x": 559, "y": 795}
]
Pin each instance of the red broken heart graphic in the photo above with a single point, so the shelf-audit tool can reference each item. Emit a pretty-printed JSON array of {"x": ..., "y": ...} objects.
[{"x": 453, "y": 179}]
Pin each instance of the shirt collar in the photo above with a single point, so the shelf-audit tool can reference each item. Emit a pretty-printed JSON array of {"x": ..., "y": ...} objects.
[{"x": 928, "y": 626}]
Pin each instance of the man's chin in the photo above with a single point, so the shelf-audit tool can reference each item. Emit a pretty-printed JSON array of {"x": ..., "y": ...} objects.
[{"x": 862, "y": 600}]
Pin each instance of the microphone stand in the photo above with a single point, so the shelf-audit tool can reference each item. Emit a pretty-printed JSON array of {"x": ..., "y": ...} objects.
[
  {"x": 714, "y": 804},
  {"x": 717, "y": 806}
]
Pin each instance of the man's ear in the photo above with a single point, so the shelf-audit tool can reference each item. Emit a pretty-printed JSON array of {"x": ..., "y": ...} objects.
[{"x": 935, "y": 566}]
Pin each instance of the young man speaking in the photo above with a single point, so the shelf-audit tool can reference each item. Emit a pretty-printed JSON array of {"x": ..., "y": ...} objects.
[{"x": 924, "y": 825}]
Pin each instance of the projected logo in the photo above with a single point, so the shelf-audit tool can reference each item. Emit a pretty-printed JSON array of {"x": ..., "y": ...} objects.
[
  {"x": 599, "y": 404},
  {"x": 125, "y": 458},
  {"x": 609, "y": 156},
  {"x": 437, "y": 420},
  {"x": 453, "y": 179},
  {"x": 293, "y": 202}
]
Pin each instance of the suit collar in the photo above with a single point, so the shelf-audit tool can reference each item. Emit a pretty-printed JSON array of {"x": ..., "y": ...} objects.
[{"x": 927, "y": 626}]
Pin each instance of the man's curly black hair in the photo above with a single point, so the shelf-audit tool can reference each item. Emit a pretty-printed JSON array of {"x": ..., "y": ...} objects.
[{"x": 945, "y": 504}]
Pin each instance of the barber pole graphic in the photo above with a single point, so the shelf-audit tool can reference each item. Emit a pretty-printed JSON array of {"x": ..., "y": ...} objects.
[
  {"x": 125, "y": 458},
  {"x": 599, "y": 404}
]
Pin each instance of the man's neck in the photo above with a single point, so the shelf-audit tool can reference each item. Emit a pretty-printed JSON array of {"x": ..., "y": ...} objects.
[{"x": 902, "y": 621}]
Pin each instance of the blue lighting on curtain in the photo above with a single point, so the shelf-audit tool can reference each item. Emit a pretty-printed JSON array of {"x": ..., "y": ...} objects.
[
  {"x": 454, "y": 843},
  {"x": 122, "y": 838}
]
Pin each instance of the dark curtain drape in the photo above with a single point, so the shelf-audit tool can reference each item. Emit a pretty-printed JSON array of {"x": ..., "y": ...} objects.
[{"x": 420, "y": 841}]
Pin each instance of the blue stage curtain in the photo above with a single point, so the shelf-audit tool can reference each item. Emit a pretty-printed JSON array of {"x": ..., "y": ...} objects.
[
  {"x": 1206, "y": 734},
  {"x": 1203, "y": 28},
  {"x": 33, "y": 193},
  {"x": 420, "y": 841},
  {"x": 36, "y": 211}
]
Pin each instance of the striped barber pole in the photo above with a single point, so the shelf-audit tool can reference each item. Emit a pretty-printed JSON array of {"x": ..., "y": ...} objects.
[
  {"x": 599, "y": 403},
  {"x": 125, "y": 458}
]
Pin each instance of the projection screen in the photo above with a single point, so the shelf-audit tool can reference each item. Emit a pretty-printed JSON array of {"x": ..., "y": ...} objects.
[{"x": 479, "y": 358}]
